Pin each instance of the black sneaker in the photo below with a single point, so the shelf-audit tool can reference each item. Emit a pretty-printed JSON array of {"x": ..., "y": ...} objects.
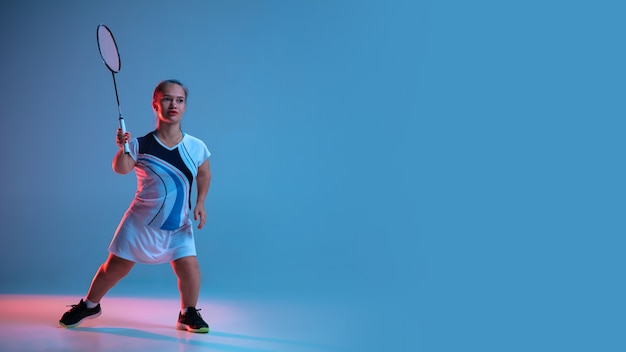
[
  {"x": 78, "y": 313},
  {"x": 192, "y": 321}
]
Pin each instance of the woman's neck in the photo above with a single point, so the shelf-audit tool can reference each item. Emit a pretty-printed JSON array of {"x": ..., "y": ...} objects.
[{"x": 170, "y": 135}]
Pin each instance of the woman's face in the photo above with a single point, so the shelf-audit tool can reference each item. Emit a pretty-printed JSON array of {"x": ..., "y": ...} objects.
[{"x": 170, "y": 103}]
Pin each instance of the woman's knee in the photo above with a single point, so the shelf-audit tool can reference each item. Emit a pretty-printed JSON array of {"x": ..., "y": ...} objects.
[
  {"x": 186, "y": 267},
  {"x": 116, "y": 267}
]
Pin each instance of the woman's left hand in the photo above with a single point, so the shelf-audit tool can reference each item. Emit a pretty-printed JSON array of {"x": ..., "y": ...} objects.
[{"x": 199, "y": 213}]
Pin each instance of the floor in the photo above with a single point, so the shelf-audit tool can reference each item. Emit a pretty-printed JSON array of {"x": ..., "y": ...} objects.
[{"x": 29, "y": 323}]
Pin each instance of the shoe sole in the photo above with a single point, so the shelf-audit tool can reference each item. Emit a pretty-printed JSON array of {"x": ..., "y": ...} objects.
[
  {"x": 80, "y": 321},
  {"x": 186, "y": 327}
]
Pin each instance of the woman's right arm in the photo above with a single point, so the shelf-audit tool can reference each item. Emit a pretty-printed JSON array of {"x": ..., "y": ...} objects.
[{"x": 122, "y": 163}]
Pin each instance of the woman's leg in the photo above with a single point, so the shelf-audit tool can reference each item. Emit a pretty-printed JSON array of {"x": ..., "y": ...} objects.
[
  {"x": 109, "y": 273},
  {"x": 188, "y": 272}
]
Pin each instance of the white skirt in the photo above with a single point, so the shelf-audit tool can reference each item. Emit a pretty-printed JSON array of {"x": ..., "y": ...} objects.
[{"x": 138, "y": 242}]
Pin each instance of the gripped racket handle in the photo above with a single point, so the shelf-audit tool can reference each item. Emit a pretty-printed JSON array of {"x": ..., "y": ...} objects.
[{"x": 123, "y": 127}]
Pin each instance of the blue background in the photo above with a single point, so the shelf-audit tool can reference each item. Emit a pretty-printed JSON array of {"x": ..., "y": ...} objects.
[{"x": 453, "y": 170}]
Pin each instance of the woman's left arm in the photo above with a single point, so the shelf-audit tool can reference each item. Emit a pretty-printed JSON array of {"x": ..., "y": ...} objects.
[{"x": 203, "y": 181}]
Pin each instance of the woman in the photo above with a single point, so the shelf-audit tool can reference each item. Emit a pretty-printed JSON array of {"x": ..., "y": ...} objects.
[{"x": 157, "y": 227}]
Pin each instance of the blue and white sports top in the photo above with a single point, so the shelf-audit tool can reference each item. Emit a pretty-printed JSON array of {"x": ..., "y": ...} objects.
[{"x": 164, "y": 179}]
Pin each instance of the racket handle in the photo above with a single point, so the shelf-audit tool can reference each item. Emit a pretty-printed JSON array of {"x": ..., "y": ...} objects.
[{"x": 123, "y": 127}]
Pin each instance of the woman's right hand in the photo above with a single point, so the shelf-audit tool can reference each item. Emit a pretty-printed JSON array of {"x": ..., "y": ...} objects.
[
  {"x": 122, "y": 138},
  {"x": 122, "y": 163}
]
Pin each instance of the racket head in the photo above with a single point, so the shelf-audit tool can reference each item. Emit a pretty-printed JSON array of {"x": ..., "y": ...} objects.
[{"x": 108, "y": 48}]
